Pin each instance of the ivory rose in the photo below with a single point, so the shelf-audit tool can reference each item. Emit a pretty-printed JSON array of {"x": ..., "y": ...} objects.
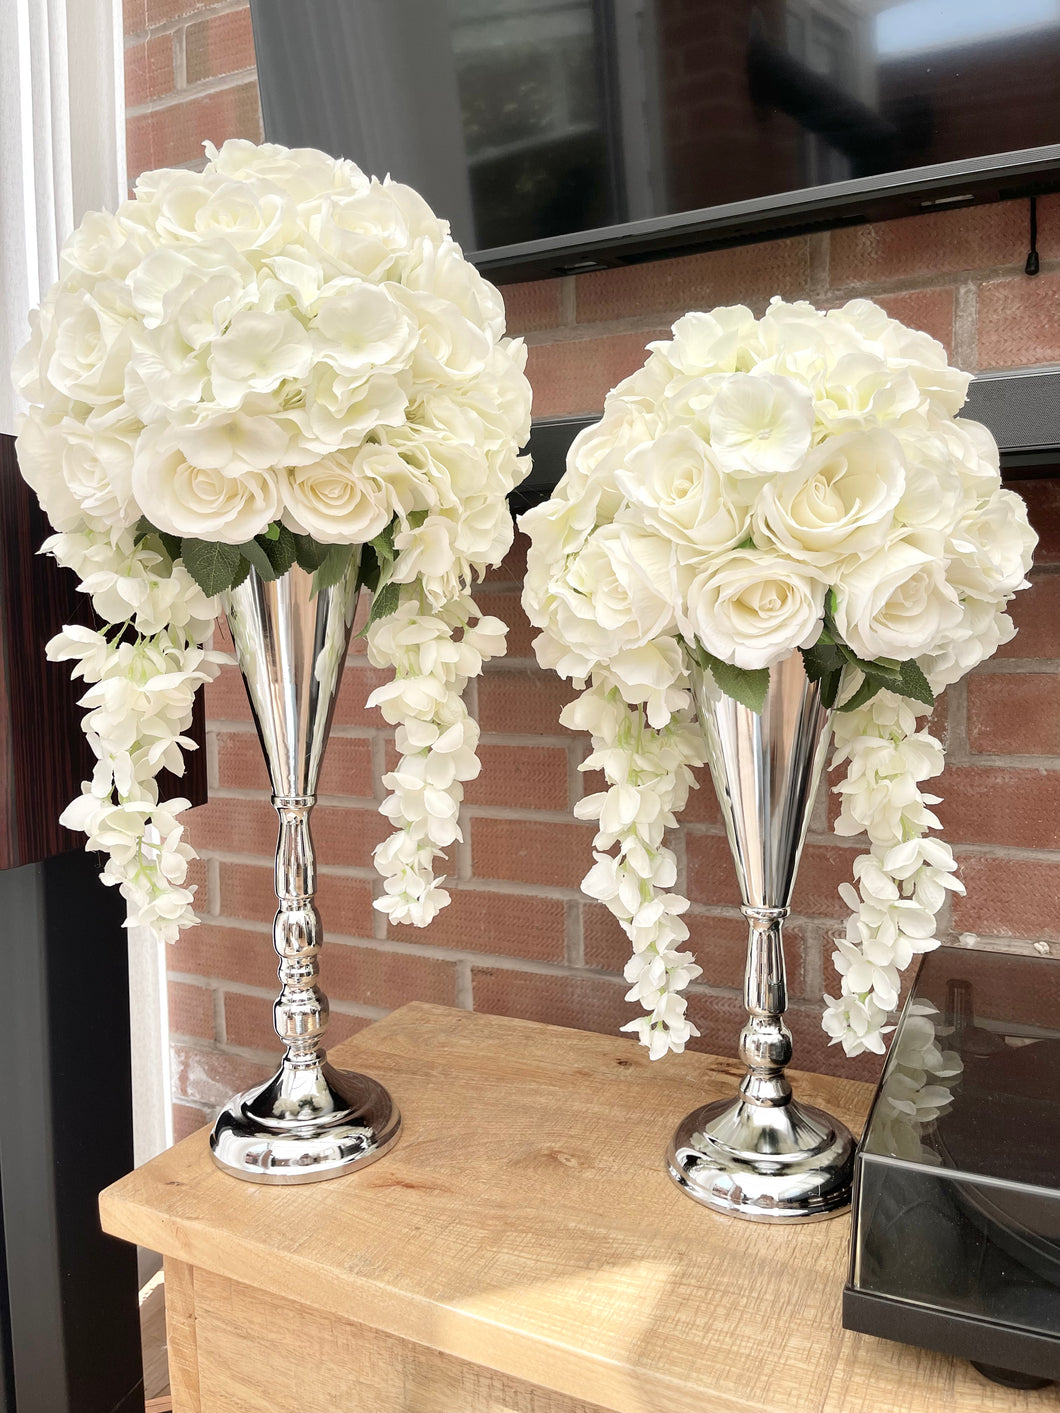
[
  {"x": 752, "y": 608},
  {"x": 896, "y": 603}
]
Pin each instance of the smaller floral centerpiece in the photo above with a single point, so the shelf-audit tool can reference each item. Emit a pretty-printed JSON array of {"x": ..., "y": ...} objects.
[
  {"x": 276, "y": 362},
  {"x": 799, "y": 483}
]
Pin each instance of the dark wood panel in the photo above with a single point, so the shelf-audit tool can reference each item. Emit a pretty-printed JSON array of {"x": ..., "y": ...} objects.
[{"x": 43, "y": 752}]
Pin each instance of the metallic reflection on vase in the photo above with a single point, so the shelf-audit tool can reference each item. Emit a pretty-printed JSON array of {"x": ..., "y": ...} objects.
[
  {"x": 765, "y": 1156},
  {"x": 310, "y": 1121}
]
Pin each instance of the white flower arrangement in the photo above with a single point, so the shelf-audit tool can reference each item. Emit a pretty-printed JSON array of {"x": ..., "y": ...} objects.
[
  {"x": 799, "y": 482},
  {"x": 270, "y": 363}
]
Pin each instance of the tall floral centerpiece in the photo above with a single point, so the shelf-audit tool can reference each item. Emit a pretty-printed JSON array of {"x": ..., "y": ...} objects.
[
  {"x": 260, "y": 390},
  {"x": 779, "y": 531}
]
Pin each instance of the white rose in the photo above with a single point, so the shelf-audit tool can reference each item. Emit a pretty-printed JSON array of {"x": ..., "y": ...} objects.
[
  {"x": 256, "y": 353},
  {"x": 923, "y": 357},
  {"x": 302, "y": 171},
  {"x": 841, "y": 500},
  {"x": 440, "y": 269},
  {"x": 860, "y": 389},
  {"x": 233, "y": 441},
  {"x": 40, "y": 447},
  {"x": 335, "y": 500},
  {"x": 934, "y": 494},
  {"x": 753, "y": 607},
  {"x": 760, "y": 425},
  {"x": 896, "y": 603},
  {"x": 201, "y": 502},
  {"x": 682, "y": 494},
  {"x": 992, "y": 548},
  {"x": 85, "y": 344}
]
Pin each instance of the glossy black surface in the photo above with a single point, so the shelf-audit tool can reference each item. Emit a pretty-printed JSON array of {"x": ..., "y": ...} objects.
[
  {"x": 958, "y": 1200},
  {"x": 538, "y": 120}
]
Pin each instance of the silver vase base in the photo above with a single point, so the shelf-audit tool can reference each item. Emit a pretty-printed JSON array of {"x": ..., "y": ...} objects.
[
  {"x": 305, "y": 1125},
  {"x": 783, "y": 1163}
]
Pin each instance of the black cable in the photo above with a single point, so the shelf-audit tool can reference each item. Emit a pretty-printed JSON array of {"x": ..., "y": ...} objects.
[{"x": 1033, "y": 265}]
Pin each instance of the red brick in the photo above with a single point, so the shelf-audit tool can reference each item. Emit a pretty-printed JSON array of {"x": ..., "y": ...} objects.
[
  {"x": 987, "y": 805},
  {"x": 712, "y": 876},
  {"x": 574, "y": 376},
  {"x": 1019, "y": 321},
  {"x": 341, "y": 835},
  {"x": 371, "y": 976},
  {"x": 149, "y": 70},
  {"x": 928, "y": 309},
  {"x": 558, "y": 855},
  {"x": 533, "y": 305},
  {"x": 523, "y": 703},
  {"x": 226, "y": 697},
  {"x": 745, "y": 274},
  {"x": 160, "y": 12},
  {"x": 526, "y": 777},
  {"x": 1009, "y": 898},
  {"x": 1014, "y": 713},
  {"x": 975, "y": 238},
  {"x": 224, "y": 954},
  {"x": 196, "y": 881},
  {"x": 345, "y": 904},
  {"x": 702, "y": 806},
  {"x": 221, "y": 44},
  {"x": 1036, "y": 614},
  {"x": 174, "y": 134},
  {"x": 512, "y": 569},
  {"x": 347, "y": 769},
  {"x": 186, "y": 1121},
  {"x": 582, "y": 1003},
  {"x": 506, "y": 607},
  {"x": 134, "y": 16},
  {"x": 190, "y": 1010},
  {"x": 358, "y": 684},
  {"x": 1043, "y": 511},
  {"x": 497, "y": 923},
  {"x": 248, "y": 1023},
  {"x": 212, "y": 1077}
]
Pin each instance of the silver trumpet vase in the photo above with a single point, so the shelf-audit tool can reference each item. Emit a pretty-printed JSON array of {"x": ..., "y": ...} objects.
[
  {"x": 765, "y": 1156},
  {"x": 310, "y": 1121}
]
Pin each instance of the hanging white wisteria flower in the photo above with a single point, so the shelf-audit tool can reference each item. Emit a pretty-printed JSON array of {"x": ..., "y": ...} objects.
[
  {"x": 800, "y": 482},
  {"x": 270, "y": 363}
]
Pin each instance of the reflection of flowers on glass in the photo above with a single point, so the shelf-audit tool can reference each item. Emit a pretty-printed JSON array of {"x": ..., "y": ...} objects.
[
  {"x": 274, "y": 361},
  {"x": 918, "y": 1087},
  {"x": 795, "y": 483}
]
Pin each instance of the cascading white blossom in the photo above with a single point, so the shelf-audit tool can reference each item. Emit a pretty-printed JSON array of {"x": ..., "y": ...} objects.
[
  {"x": 277, "y": 361},
  {"x": 800, "y": 482}
]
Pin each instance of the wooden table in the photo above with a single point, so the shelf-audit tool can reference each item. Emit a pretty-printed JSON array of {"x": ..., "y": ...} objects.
[{"x": 521, "y": 1251}]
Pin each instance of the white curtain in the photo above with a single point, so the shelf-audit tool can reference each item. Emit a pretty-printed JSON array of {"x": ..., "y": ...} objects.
[{"x": 62, "y": 147}]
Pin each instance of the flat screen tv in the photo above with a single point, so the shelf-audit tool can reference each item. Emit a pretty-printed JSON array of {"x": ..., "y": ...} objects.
[{"x": 567, "y": 135}]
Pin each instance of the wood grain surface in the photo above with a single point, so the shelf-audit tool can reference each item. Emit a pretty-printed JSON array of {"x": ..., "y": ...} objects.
[{"x": 525, "y": 1225}]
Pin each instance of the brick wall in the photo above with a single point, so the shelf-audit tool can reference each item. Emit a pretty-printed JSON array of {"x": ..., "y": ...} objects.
[{"x": 518, "y": 938}]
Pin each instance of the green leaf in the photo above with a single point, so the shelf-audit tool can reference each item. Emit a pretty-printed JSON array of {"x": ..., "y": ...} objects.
[
  {"x": 384, "y": 603},
  {"x": 865, "y": 693},
  {"x": 241, "y": 573},
  {"x": 332, "y": 567},
  {"x": 821, "y": 660},
  {"x": 143, "y": 529},
  {"x": 383, "y": 543},
  {"x": 416, "y": 518},
  {"x": 882, "y": 667},
  {"x": 745, "y": 686},
  {"x": 915, "y": 685},
  {"x": 280, "y": 549},
  {"x": 368, "y": 571},
  {"x": 308, "y": 554},
  {"x": 272, "y": 533},
  {"x": 259, "y": 560},
  {"x": 171, "y": 545},
  {"x": 213, "y": 566}
]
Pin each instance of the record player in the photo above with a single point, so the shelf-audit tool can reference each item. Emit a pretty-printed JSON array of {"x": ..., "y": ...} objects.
[{"x": 955, "y": 1242}]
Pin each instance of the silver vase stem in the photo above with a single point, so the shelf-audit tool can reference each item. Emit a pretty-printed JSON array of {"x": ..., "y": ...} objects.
[
  {"x": 765, "y": 1041},
  {"x": 300, "y": 1014}
]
